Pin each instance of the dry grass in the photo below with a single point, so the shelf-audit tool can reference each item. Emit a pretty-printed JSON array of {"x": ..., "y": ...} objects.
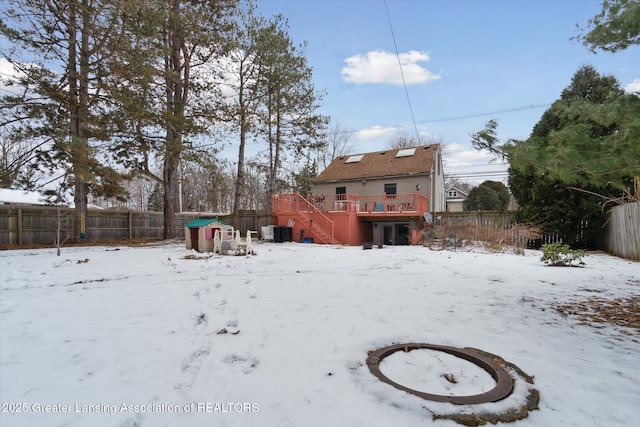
[
  {"x": 493, "y": 238},
  {"x": 596, "y": 311}
]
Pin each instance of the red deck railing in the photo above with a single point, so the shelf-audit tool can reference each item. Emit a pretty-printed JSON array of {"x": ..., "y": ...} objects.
[{"x": 375, "y": 204}]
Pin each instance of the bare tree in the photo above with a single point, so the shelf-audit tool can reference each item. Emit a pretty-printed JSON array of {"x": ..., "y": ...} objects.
[
  {"x": 403, "y": 140},
  {"x": 15, "y": 154},
  {"x": 337, "y": 143}
]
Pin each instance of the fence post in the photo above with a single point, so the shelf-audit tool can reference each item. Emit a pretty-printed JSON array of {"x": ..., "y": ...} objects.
[
  {"x": 19, "y": 226},
  {"x": 130, "y": 218}
]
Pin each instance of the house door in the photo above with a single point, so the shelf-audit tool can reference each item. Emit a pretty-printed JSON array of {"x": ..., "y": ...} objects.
[
  {"x": 402, "y": 234},
  {"x": 387, "y": 235},
  {"x": 193, "y": 233}
]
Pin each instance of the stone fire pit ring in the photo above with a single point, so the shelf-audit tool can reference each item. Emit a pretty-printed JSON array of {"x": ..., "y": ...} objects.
[{"x": 504, "y": 381}]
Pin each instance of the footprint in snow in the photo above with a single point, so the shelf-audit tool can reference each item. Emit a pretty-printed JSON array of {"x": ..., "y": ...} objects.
[
  {"x": 200, "y": 321},
  {"x": 246, "y": 364},
  {"x": 135, "y": 421},
  {"x": 191, "y": 366}
]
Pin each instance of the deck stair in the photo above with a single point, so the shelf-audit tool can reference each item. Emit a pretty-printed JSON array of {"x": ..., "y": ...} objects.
[{"x": 310, "y": 219}]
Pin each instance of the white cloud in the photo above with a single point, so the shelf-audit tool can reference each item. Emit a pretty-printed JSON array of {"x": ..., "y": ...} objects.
[
  {"x": 457, "y": 157},
  {"x": 471, "y": 166},
  {"x": 633, "y": 87},
  {"x": 375, "y": 132},
  {"x": 382, "y": 67}
]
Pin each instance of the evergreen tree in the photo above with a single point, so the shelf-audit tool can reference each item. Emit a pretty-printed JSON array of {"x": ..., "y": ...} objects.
[
  {"x": 164, "y": 84},
  {"x": 305, "y": 178},
  {"x": 290, "y": 121},
  {"x": 274, "y": 100},
  {"x": 585, "y": 147},
  {"x": 60, "y": 108},
  {"x": 615, "y": 28},
  {"x": 241, "y": 109},
  {"x": 488, "y": 196}
]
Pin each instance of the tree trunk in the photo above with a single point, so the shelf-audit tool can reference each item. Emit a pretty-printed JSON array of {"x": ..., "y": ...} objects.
[
  {"x": 240, "y": 175},
  {"x": 243, "y": 138},
  {"x": 177, "y": 77},
  {"x": 79, "y": 116},
  {"x": 274, "y": 153},
  {"x": 171, "y": 179},
  {"x": 271, "y": 187},
  {"x": 276, "y": 161}
]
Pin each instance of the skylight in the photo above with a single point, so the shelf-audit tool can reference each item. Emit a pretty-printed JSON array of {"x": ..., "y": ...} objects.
[
  {"x": 354, "y": 159},
  {"x": 407, "y": 152}
]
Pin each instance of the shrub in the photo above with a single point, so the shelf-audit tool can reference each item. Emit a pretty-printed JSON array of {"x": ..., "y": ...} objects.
[{"x": 560, "y": 255}]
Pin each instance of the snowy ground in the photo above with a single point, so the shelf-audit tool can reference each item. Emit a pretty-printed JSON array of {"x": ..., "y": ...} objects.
[{"x": 124, "y": 336}]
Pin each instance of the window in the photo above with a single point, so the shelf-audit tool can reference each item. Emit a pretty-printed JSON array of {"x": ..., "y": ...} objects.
[
  {"x": 354, "y": 159},
  {"x": 453, "y": 193},
  {"x": 406, "y": 152},
  {"x": 341, "y": 193},
  {"x": 390, "y": 188}
]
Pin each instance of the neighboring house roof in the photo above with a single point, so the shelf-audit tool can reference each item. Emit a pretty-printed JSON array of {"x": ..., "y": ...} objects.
[
  {"x": 461, "y": 194},
  {"x": 24, "y": 197},
  {"x": 8, "y": 195},
  {"x": 380, "y": 164},
  {"x": 201, "y": 222}
]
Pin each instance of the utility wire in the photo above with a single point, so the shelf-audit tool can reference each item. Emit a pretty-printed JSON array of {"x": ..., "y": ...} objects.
[{"x": 404, "y": 83}]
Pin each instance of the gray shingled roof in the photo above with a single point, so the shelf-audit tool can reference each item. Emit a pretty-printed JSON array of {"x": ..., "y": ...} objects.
[{"x": 380, "y": 164}]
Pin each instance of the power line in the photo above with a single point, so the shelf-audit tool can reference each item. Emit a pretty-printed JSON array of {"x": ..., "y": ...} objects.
[
  {"x": 501, "y": 164},
  {"x": 404, "y": 83},
  {"x": 469, "y": 116},
  {"x": 473, "y": 174}
]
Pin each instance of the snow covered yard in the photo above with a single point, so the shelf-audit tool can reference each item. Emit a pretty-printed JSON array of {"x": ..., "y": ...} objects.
[{"x": 142, "y": 336}]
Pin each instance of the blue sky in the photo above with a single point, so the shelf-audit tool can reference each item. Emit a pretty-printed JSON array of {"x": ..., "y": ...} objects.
[{"x": 464, "y": 62}]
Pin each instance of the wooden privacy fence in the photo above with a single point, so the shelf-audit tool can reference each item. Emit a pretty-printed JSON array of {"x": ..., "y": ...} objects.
[
  {"x": 622, "y": 232},
  {"x": 492, "y": 227},
  {"x": 25, "y": 225},
  {"x": 38, "y": 225}
]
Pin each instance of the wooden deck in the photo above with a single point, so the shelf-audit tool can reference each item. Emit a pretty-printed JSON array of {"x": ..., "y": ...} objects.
[{"x": 344, "y": 218}]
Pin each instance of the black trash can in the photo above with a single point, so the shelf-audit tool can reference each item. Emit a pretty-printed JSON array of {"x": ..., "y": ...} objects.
[
  {"x": 277, "y": 234},
  {"x": 287, "y": 235}
]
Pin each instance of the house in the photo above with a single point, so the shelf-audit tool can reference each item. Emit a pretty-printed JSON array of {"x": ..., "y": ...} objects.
[
  {"x": 379, "y": 197},
  {"x": 199, "y": 233},
  {"x": 455, "y": 199}
]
